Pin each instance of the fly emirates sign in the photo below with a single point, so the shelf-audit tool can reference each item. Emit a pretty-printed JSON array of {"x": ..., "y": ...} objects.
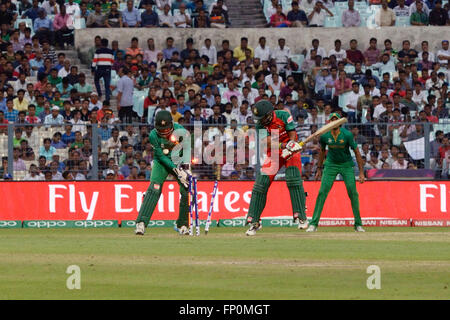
[{"x": 122, "y": 200}]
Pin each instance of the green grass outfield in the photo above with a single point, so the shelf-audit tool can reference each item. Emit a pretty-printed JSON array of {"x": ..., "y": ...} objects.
[{"x": 279, "y": 263}]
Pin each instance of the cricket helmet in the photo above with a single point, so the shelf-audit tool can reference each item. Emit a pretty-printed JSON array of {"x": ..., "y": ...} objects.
[
  {"x": 164, "y": 123},
  {"x": 263, "y": 112},
  {"x": 334, "y": 114}
]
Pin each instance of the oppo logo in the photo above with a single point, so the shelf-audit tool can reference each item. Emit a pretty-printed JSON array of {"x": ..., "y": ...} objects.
[
  {"x": 8, "y": 224},
  {"x": 281, "y": 222},
  {"x": 156, "y": 223},
  {"x": 94, "y": 224},
  {"x": 46, "y": 224},
  {"x": 130, "y": 224},
  {"x": 233, "y": 223}
]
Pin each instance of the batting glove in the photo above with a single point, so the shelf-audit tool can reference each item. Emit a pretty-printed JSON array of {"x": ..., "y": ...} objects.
[{"x": 183, "y": 175}]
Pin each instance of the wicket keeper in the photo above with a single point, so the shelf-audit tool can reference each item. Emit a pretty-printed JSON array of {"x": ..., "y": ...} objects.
[
  {"x": 278, "y": 123},
  {"x": 163, "y": 142},
  {"x": 338, "y": 161}
]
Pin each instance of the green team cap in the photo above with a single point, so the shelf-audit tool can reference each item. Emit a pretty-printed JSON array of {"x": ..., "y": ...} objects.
[
  {"x": 334, "y": 114},
  {"x": 261, "y": 109}
]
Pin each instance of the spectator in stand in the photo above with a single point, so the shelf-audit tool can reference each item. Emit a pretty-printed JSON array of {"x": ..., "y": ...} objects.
[
  {"x": 400, "y": 163},
  {"x": 63, "y": 26},
  {"x": 279, "y": 19},
  {"x": 101, "y": 68},
  {"x": 385, "y": 16},
  {"x": 350, "y": 17},
  {"x": 114, "y": 17},
  {"x": 43, "y": 27},
  {"x": 239, "y": 52},
  {"x": 354, "y": 55},
  {"x": 296, "y": 16},
  {"x": 217, "y": 18},
  {"x": 317, "y": 17},
  {"x": 149, "y": 18},
  {"x": 72, "y": 9},
  {"x": 419, "y": 17},
  {"x": 438, "y": 15},
  {"x": 96, "y": 19},
  {"x": 443, "y": 55},
  {"x": 201, "y": 20},
  {"x": 32, "y": 13},
  {"x": 413, "y": 7},
  {"x": 372, "y": 54},
  {"x": 125, "y": 87},
  {"x": 166, "y": 18},
  {"x": 131, "y": 16},
  {"x": 401, "y": 10}
]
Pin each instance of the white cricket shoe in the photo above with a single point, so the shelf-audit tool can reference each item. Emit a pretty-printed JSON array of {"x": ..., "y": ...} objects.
[
  {"x": 140, "y": 228},
  {"x": 183, "y": 231},
  {"x": 359, "y": 229},
  {"x": 253, "y": 228},
  {"x": 303, "y": 224},
  {"x": 311, "y": 228}
]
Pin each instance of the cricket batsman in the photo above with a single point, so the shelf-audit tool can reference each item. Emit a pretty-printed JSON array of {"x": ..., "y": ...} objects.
[
  {"x": 338, "y": 161},
  {"x": 163, "y": 141},
  {"x": 277, "y": 123}
]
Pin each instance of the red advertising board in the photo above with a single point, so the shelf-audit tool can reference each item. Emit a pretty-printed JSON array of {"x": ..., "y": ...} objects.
[{"x": 419, "y": 200}]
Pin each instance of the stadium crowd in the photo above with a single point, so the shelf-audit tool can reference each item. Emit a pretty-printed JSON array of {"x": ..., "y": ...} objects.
[
  {"x": 387, "y": 93},
  {"x": 354, "y": 13}
]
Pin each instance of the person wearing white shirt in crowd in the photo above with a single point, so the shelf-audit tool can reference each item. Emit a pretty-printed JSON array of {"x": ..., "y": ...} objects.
[
  {"x": 188, "y": 69},
  {"x": 374, "y": 92},
  {"x": 319, "y": 50},
  {"x": 51, "y": 7},
  {"x": 413, "y": 7},
  {"x": 65, "y": 70},
  {"x": 379, "y": 109},
  {"x": 352, "y": 101},
  {"x": 338, "y": 52},
  {"x": 182, "y": 19},
  {"x": 431, "y": 55},
  {"x": 419, "y": 96},
  {"x": 77, "y": 123},
  {"x": 262, "y": 51},
  {"x": 400, "y": 163},
  {"x": 95, "y": 103},
  {"x": 20, "y": 83},
  {"x": 281, "y": 55},
  {"x": 434, "y": 82},
  {"x": 401, "y": 10},
  {"x": 210, "y": 51},
  {"x": 150, "y": 54},
  {"x": 72, "y": 9},
  {"x": 318, "y": 15},
  {"x": 166, "y": 19},
  {"x": 160, "y": 4},
  {"x": 247, "y": 96},
  {"x": 443, "y": 55},
  {"x": 34, "y": 174}
]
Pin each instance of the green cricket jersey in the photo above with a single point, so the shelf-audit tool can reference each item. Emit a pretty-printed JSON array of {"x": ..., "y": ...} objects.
[
  {"x": 338, "y": 149},
  {"x": 161, "y": 145}
]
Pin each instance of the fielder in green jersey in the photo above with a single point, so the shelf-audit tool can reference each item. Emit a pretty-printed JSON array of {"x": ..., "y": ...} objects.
[
  {"x": 338, "y": 161},
  {"x": 164, "y": 141}
]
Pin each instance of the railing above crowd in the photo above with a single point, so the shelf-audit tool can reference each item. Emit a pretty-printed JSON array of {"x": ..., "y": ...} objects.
[{"x": 117, "y": 151}]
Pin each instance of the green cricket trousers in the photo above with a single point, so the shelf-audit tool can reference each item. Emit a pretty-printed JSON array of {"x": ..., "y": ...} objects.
[
  {"x": 159, "y": 175},
  {"x": 328, "y": 176}
]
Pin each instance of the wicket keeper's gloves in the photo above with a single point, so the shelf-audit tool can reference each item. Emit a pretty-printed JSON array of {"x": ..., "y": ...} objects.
[
  {"x": 183, "y": 175},
  {"x": 291, "y": 148}
]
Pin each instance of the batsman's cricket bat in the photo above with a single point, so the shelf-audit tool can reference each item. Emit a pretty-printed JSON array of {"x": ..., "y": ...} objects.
[{"x": 328, "y": 127}]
